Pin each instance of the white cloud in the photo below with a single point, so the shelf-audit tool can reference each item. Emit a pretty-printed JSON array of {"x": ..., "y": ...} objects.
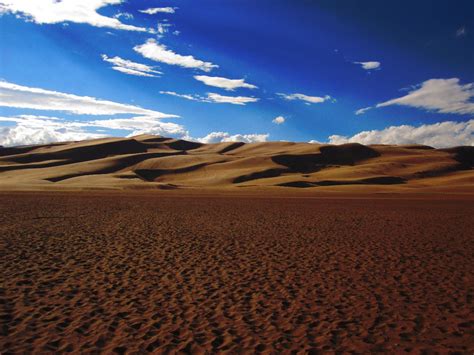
[
  {"x": 162, "y": 28},
  {"x": 305, "y": 98},
  {"x": 184, "y": 96},
  {"x": 155, "y": 10},
  {"x": 77, "y": 11},
  {"x": 129, "y": 67},
  {"x": 369, "y": 65},
  {"x": 234, "y": 100},
  {"x": 213, "y": 98},
  {"x": 279, "y": 120},
  {"x": 439, "y": 95},
  {"x": 132, "y": 72},
  {"x": 141, "y": 125},
  {"x": 361, "y": 111},
  {"x": 151, "y": 49},
  {"x": 29, "y": 129},
  {"x": 439, "y": 135},
  {"x": 13, "y": 95},
  {"x": 125, "y": 15},
  {"x": 41, "y": 130},
  {"x": 224, "y": 83},
  {"x": 218, "y": 137}
]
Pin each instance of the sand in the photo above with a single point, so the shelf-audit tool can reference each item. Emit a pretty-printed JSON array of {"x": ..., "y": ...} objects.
[
  {"x": 131, "y": 272},
  {"x": 152, "y": 163}
]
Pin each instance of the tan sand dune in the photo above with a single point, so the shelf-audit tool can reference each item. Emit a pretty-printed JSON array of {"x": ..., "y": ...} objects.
[{"x": 150, "y": 162}]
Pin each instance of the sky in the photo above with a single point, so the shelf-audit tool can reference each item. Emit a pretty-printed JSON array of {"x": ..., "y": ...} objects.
[{"x": 318, "y": 71}]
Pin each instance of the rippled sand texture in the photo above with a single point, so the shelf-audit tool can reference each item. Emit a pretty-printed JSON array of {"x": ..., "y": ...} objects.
[{"x": 135, "y": 273}]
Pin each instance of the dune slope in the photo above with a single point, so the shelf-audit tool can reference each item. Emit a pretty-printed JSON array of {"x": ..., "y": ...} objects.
[{"x": 150, "y": 162}]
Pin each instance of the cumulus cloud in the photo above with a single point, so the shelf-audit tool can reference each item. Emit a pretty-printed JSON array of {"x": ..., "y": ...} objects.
[
  {"x": 218, "y": 137},
  {"x": 77, "y": 11},
  {"x": 213, "y": 98},
  {"x": 279, "y": 120},
  {"x": 369, "y": 65},
  {"x": 151, "y": 49},
  {"x": 439, "y": 135},
  {"x": 131, "y": 68},
  {"x": 13, "y": 95},
  {"x": 305, "y": 98},
  {"x": 29, "y": 129},
  {"x": 224, "y": 83},
  {"x": 155, "y": 10},
  {"x": 439, "y": 95}
]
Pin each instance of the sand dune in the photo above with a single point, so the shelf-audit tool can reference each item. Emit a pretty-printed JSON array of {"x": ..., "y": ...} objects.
[{"x": 150, "y": 162}]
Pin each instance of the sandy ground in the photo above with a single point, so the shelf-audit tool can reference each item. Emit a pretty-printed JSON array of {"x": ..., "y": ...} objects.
[{"x": 130, "y": 273}]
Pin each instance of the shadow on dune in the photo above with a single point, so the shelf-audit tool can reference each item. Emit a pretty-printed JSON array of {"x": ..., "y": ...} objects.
[
  {"x": 346, "y": 154},
  {"x": 380, "y": 180}
]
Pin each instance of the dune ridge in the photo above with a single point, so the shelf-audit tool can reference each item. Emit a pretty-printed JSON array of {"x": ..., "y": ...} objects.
[{"x": 151, "y": 162}]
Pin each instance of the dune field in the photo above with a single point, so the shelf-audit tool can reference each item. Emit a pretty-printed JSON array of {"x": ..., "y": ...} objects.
[{"x": 153, "y": 162}]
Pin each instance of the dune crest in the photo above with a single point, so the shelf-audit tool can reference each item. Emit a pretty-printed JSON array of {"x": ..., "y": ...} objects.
[{"x": 150, "y": 162}]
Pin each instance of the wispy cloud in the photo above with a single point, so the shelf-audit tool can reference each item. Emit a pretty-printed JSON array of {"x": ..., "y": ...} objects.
[
  {"x": 18, "y": 96},
  {"x": 213, "y": 98},
  {"x": 307, "y": 99},
  {"x": 125, "y": 15},
  {"x": 361, "y": 111},
  {"x": 162, "y": 28},
  {"x": 141, "y": 125},
  {"x": 439, "y": 135},
  {"x": 131, "y": 68},
  {"x": 77, "y": 11},
  {"x": 438, "y": 95},
  {"x": 224, "y": 83},
  {"x": 371, "y": 65},
  {"x": 156, "y": 10},
  {"x": 151, "y": 49},
  {"x": 185, "y": 96},
  {"x": 461, "y": 32},
  {"x": 279, "y": 120},
  {"x": 234, "y": 100}
]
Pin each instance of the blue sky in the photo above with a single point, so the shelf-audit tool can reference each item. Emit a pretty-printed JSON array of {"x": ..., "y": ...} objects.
[{"x": 280, "y": 70}]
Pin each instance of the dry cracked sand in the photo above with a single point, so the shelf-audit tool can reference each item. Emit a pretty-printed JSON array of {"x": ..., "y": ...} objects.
[{"x": 168, "y": 272}]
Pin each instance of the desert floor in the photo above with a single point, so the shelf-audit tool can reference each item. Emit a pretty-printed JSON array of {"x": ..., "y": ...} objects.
[{"x": 157, "y": 271}]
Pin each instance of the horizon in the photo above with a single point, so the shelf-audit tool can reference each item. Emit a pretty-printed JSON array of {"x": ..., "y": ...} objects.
[
  {"x": 371, "y": 73},
  {"x": 190, "y": 139}
]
